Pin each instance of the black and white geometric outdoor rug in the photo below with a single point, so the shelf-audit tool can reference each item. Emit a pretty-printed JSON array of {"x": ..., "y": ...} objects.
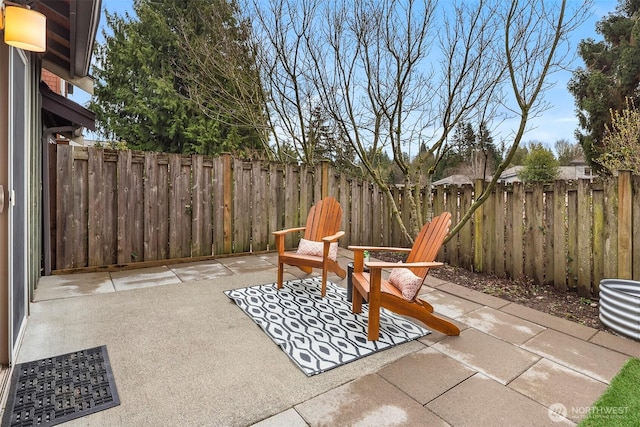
[
  {"x": 57, "y": 389},
  {"x": 319, "y": 333}
]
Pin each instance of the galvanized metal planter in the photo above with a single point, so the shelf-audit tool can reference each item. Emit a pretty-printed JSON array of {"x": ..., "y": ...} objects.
[{"x": 620, "y": 306}]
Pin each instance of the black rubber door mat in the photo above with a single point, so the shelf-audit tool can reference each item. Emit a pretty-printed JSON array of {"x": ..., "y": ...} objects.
[{"x": 57, "y": 389}]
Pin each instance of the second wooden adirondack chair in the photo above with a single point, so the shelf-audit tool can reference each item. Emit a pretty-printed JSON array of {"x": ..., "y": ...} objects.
[
  {"x": 319, "y": 246},
  {"x": 400, "y": 293}
]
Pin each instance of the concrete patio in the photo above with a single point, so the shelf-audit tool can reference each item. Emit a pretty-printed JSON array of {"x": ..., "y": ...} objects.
[{"x": 182, "y": 353}]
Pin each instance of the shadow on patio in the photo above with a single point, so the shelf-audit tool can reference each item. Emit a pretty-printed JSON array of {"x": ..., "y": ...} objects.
[{"x": 183, "y": 353}]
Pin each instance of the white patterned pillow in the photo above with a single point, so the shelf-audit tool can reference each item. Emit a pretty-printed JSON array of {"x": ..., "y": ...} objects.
[
  {"x": 309, "y": 247},
  {"x": 406, "y": 282}
]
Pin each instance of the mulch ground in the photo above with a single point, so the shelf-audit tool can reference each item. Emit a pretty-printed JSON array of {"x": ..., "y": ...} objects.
[{"x": 546, "y": 298}]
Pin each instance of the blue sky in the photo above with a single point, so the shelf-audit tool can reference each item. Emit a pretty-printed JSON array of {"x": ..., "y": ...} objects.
[{"x": 559, "y": 122}]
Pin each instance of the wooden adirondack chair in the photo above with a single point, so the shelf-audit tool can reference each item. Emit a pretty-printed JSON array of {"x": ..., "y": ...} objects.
[
  {"x": 323, "y": 224},
  {"x": 380, "y": 293}
]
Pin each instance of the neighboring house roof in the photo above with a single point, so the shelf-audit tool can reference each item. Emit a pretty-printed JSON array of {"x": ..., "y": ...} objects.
[
  {"x": 72, "y": 26},
  {"x": 453, "y": 180},
  {"x": 577, "y": 171}
]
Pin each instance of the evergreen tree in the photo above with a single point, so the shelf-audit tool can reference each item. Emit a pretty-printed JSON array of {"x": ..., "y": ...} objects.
[
  {"x": 471, "y": 153},
  {"x": 540, "y": 165},
  {"x": 327, "y": 143},
  {"x": 611, "y": 73},
  {"x": 490, "y": 155},
  {"x": 141, "y": 98}
]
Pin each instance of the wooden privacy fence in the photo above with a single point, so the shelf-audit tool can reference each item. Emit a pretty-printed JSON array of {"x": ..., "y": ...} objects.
[
  {"x": 119, "y": 207},
  {"x": 570, "y": 234}
]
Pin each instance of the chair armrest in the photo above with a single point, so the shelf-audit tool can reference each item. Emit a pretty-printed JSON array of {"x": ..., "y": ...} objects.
[
  {"x": 279, "y": 235},
  {"x": 381, "y": 264},
  {"x": 288, "y": 230},
  {"x": 334, "y": 237},
  {"x": 378, "y": 249}
]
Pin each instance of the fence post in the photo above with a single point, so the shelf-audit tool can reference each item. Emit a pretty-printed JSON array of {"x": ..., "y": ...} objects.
[
  {"x": 227, "y": 180},
  {"x": 624, "y": 225},
  {"x": 324, "y": 186},
  {"x": 478, "y": 256}
]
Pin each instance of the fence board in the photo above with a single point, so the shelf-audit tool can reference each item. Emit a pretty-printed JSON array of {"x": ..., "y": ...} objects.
[
  {"x": 207, "y": 209},
  {"x": 227, "y": 195},
  {"x": 549, "y": 222},
  {"x": 305, "y": 194},
  {"x": 344, "y": 199},
  {"x": 466, "y": 239},
  {"x": 585, "y": 250},
  {"x": 624, "y": 225},
  {"x": 489, "y": 230},
  {"x": 517, "y": 224},
  {"x": 259, "y": 208},
  {"x": 80, "y": 235},
  {"x": 220, "y": 206},
  {"x": 136, "y": 209},
  {"x": 241, "y": 206},
  {"x": 64, "y": 215},
  {"x": 179, "y": 208},
  {"x": 559, "y": 236},
  {"x": 124, "y": 201},
  {"x": 367, "y": 214},
  {"x": 97, "y": 208},
  {"x": 291, "y": 207},
  {"x": 635, "y": 243},
  {"x": 529, "y": 232},
  {"x": 317, "y": 184},
  {"x": 538, "y": 234},
  {"x": 275, "y": 202},
  {"x": 396, "y": 239},
  {"x": 598, "y": 239},
  {"x": 356, "y": 212},
  {"x": 151, "y": 206},
  {"x": 572, "y": 238},
  {"x": 499, "y": 212},
  {"x": 452, "y": 254},
  {"x": 162, "y": 174},
  {"x": 199, "y": 222},
  {"x": 377, "y": 222},
  {"x": 611, "y": 233},
  {"x": 387, "y": 221}
]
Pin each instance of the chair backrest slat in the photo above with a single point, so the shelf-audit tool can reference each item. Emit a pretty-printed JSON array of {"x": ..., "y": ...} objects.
[
  {"x": 429, "y": 241},
  {"x": 324, "y": 219}
]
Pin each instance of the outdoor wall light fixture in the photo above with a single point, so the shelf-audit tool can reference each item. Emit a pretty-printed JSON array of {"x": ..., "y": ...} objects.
[{"x": 24, "y": 28}]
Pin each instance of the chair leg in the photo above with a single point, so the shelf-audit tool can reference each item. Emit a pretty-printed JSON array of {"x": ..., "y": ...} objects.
[
  {"x": 373, "y": 326},
  {"x": 356, "y": 301},
  {"x": 324, "y": 281},
  {"x": 280, "y": 274}
]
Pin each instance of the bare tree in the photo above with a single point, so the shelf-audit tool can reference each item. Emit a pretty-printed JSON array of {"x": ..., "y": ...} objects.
[
  {"x": 568, "y": 152},
  {"x": 281, "y": 32},
  {"x": 535, "y": 46},
  {"x": 378, "y": 77},
  {"x": 394, "y": 75}
]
